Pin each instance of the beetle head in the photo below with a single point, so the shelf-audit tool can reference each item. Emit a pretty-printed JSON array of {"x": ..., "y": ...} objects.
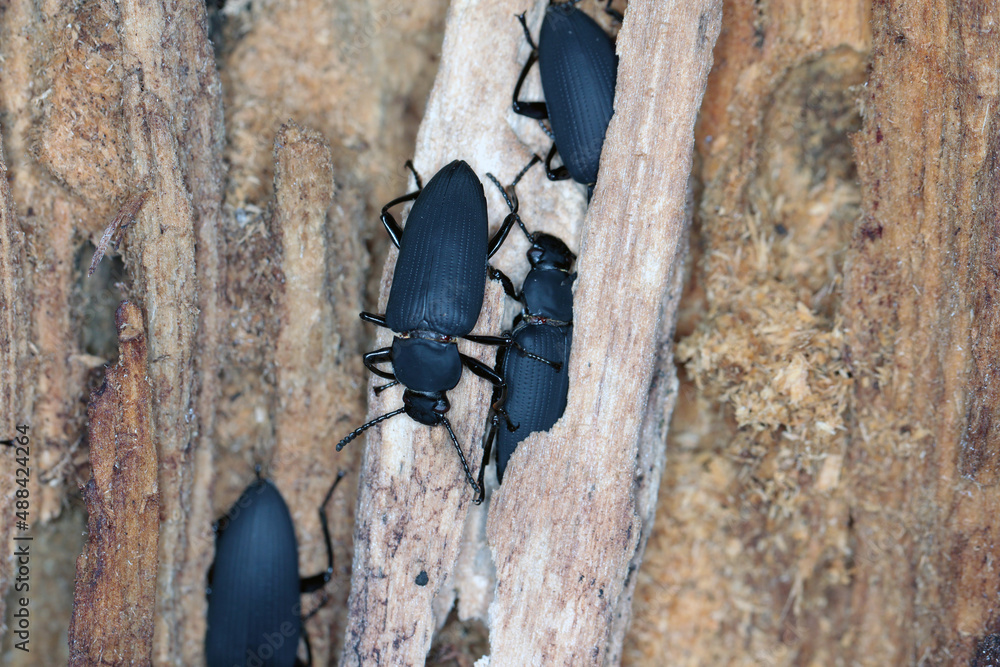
[
  {"x": 549, "y": 252},
  {"x": 428, "y": 408}
]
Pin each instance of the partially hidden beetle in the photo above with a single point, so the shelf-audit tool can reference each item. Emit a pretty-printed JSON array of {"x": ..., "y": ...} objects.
[
  {"x": 533, "y": 395},
  {"x": 436, "y": 295},
  {"x": 254, "y": 608},
  {"x": 578, "y": 66}
]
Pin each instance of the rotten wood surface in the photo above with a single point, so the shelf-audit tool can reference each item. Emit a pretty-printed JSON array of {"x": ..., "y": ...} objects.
[
  {"x": 830, "y": 481},
  {"x": 750, "y": 559},
  {"x": 116, "y": 573},
  {"x": 414, "y": 497},
  {"x": 923, "y": 461},
  {"x": 16, "y": 389},
  {"x": 564, "y": 527},
  {"x": 316, "y": 362}
]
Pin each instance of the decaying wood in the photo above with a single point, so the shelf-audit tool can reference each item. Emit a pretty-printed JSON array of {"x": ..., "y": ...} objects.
[
  {"x": 467, "y": 117},
  {"x": 116, "y": 573},
  {"x": 316, "y": 361},
  {"x": 563, "y": 527},
  {"x": 414, "y": 497},
  {"x": 173, "y": 116},
  {"x": 922, "y": 324},
  {"x": 652, "y": 450},
  {"x": 749, "y": 560},
  {"x": 15, "y": 386},
  {"x": 831, "y": 482},
  {"x": 61, "y": 120}
]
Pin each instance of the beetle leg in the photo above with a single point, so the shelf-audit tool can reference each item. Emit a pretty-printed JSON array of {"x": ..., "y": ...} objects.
[
  {"x": 381, "y": 356},
  {"x": 309, "y": 652},
  {"x": 391, "y": 226},
  {"x": 501, "y": 234},
  {"x": 560, "y": 173},
  {"x": 315, "y": 582},
  {"x": 484, "y": 371},
  {"x": 487, "y": 451},
  {"x": 505, "y": 340},
  {"x": 554, "y": 365},
  {"x": 505, "y": 282},
  {"x": 413, "y": 170},
  {"x": 372, "y": 318},
  {"x": 485, "y": 340},
  {"x": 536, "y": 110},
  {"x": 527, "y": 33},
  {"x": 613, "y": 13}
]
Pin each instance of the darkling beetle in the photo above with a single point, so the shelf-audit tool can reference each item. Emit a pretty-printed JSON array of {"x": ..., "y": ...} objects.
[
  {"x": 436, "y": 295},
  {"x": 254, "y": 611},
  {"x": 533, "y": 395},
  {"x": 578, "y": 66}
]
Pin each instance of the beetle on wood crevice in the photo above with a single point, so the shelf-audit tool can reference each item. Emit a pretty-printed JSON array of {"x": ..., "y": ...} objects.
[
  {"x": 533, "y": 396},
  {"x": 254, "y": 608},
  {"x": 578, "y": 66},
  {"x": 436, "y": 295}
]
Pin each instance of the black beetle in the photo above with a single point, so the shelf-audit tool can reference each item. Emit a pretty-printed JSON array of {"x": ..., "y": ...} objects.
[
  {"x": 578, "y": 66},
  {"x": 436, "y": 295},
  {"x": 533, "y": 395},
  {"x": 254, "y": 612}
]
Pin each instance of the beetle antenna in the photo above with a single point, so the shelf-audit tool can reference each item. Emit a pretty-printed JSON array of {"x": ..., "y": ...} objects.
[
  {"x": 461, "y": 456},
  {"x": 511, "y": 196},
  {"x": 554, "y": 365},
  {"x": 534, "y": 160},
  {"x": 382, "y": 387},
  {"x": 326, "y": 528},
  {"x": 361, "y": 429},
  {"x": 503, "y": 192}
]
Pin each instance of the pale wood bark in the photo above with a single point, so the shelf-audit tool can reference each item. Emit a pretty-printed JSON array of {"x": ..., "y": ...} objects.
[
  {"x": 116, "y": 573},
  {"x": 414, "y": 498},
  {"x": 173, "y": 116},
  {"x": 392, "y": 615},
  {"x": 564, "y": 529}
]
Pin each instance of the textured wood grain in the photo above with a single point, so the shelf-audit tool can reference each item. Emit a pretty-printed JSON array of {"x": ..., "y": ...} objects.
[
  {"x": 748, "y": 561},
  {"x": 316, "y": 361},
  {"x": 173, "y": 116},
  {"x": 414, "y": 498},
  {"x": 15, "y": 387},
  {"x": 922, "y": 318},
  {"x": 564, "y": 528},
  {"x": 116, "y": 573}
]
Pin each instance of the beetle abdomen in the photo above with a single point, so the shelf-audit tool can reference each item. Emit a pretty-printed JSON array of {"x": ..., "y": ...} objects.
[
  {"x": 578, "y": 66},
  {"x": 254, "y": 614},
  {"x": 536, "y": 393},
  {"x": 440, "y": 275}
]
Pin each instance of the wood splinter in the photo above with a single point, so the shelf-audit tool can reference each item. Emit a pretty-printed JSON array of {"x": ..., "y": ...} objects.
[
  {"x": 117, "y": 229},
  {"x": 116, "y": 573}
]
